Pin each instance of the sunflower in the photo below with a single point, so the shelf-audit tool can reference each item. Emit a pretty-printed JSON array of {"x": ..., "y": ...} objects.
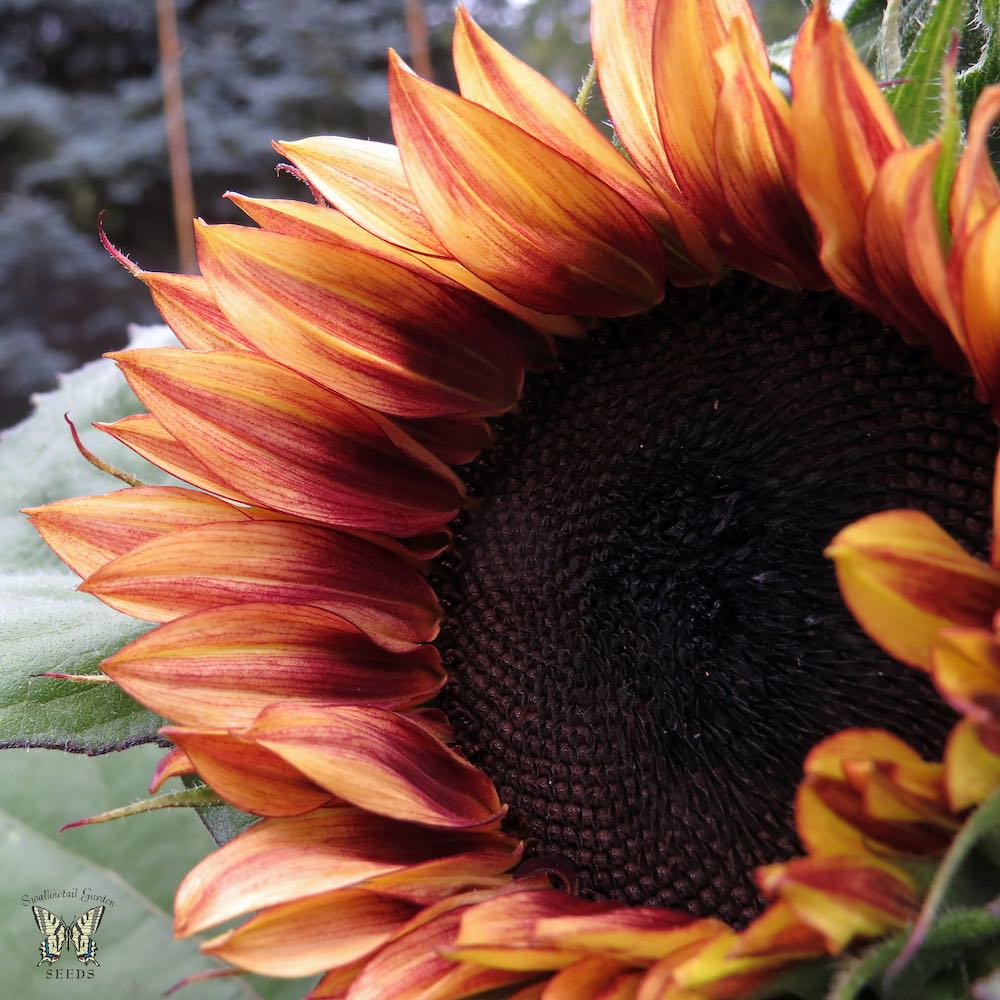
[{"x": 486, "y": 716}]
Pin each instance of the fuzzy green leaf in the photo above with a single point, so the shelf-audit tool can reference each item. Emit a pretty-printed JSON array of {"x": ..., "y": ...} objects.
[{"x": 917, "y": 101}]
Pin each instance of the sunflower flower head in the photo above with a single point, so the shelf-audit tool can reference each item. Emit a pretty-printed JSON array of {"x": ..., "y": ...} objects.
[{"x": 591, "y": 717}]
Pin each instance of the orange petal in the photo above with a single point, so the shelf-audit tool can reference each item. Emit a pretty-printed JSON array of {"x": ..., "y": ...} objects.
[
  {"x": 592, "y": 978},
  {"x": 380, "y": 761},
  {"x": 780, "y": 931},
  {"x": 966, "y": 671},
  {"x": 455, "y": 440},
  {"x": 310, "y": 935},
  {"x": 905, "y": 579},
  {"x": 173, "y": 764},
  {"x": 491, "y": 76},
  {"x": 189, "y": 309},
  {"x": 412, "y": 967},
  {"x": 972, "y": 773},
  {"x": 365, "y": 180},
  {"x": 223, "y": 666},
  {"x": 843, "y": 898},
  {"x": 571, "y": 246},
  {"x": 687, "y": 80},
  {"x": 631, "y": 934},
  {"x": 147, "y": 437},
  {"x": 976, "y": 190},
  {"x": 316, "y": 222},
  {"x": 87, "y": 532},
  {"x": 622, "y": 36},
  {"x": 844, "y": 130},
  {"x": 247, "y": 775},
  {"x": 271, "y": 562},
  {"x": 291, "y": 445},
  {"x": 979, "y": 290},
  {"x": 277, "y": 861},
  {"x": 754, "y": 160},
  {"x": 355, "y": 322},
  {"x": 900, "y": 229}
]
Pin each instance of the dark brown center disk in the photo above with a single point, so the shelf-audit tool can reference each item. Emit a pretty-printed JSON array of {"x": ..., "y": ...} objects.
[{"x": 643, "y": 636}]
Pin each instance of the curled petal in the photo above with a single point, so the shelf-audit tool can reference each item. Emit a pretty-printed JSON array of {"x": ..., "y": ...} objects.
[
  {"x": 221, "y": 667},
  {"x": 978, "y": 288},
  {"x": 246, "y": 775},
  {"x": 326, "y": 931},
  {"x": 147, "y": 437},
  {"x": 291, "y": 445},
  {"x": 976, "y": 190},
  {"x": 780, "y": 931},
  {"x": 87, "y": 532},
  {"x": 575, "y": 247},
  {"x": 754, "y": 159},
  {"x": 844, "y": 131},
  {"x": 272, "y": 562},
  {"x": 365, "y": 180},
  {"x": 972, "y": 772},
  {"x": 281, "y": 860},
  {"x": 379, "y": 761},
  {"x": 172, "y": 764},
  {"x": 843, "y": 898},
  {"x": 455, "y": 440},
  {"x": 905, "y": 579},
  {"x": 622, "y": 35},
  {"x": 357, "y": 323}
]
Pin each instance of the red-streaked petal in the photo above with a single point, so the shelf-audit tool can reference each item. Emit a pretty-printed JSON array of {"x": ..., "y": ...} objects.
[
  {"x": 247, "y": 775},
  {"x": 379, "y": 761},
  {"x": 87, "y": 532},
  {"x": 780, "y": 931},
  {"x": 754, "y": 159},
  {"x": 622, "y": 35},
  {"x": 412, "y": 967},
  {"x": 844, "y": 130},
  {"x": 147, "y": 437},
  {"x": 634, "y": 935},
  {"x": 572, "y": 245},
  {"x": 221, "y": 667},
  {"x": 976, "y": 190},
  {"x": 905, "y": 579},
  {"x": 187, "y": 306},
  {"x": 371, "y": 330},
  {"x": 292, "y": 445},
  {"x": 310, "y": 935},
  {"x": 455, "y": 440},
  {"x": 843, "y": 898},
  {"x": 315, "y": 222},
  {"x": 979, "y": 287},
  {"x": 491, "y": 76},
  {"x": 365, "y": 180},
  {"x": 271, "y": 562},
  {"x": 172, "y": 764},
  {"x": 897, "y": 235},
  {"x": 687, "y": 82},
  {"x": 277, "y": 861}
]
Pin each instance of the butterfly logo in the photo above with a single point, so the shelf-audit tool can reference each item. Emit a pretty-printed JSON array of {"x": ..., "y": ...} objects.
[{"x": 81, "y": 933}]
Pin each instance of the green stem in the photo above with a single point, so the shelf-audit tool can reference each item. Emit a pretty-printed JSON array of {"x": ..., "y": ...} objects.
[{"x": 190, "y": 798}]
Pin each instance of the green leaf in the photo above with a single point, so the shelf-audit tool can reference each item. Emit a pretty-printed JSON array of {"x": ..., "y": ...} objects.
[
  {"x": 982, "y": 822},
  {"x": 50, "y": 626},
  {"x": 981, "y": 47},
  {"x": 138, "y": 869},
  {"x": 917, "y": 101},
  {"x": 222, "y": 822},
  {"x": 809, "y": 981}
]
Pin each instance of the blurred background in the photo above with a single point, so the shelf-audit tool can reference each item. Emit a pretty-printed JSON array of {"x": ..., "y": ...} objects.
[{"x": 83, "y": 128}]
